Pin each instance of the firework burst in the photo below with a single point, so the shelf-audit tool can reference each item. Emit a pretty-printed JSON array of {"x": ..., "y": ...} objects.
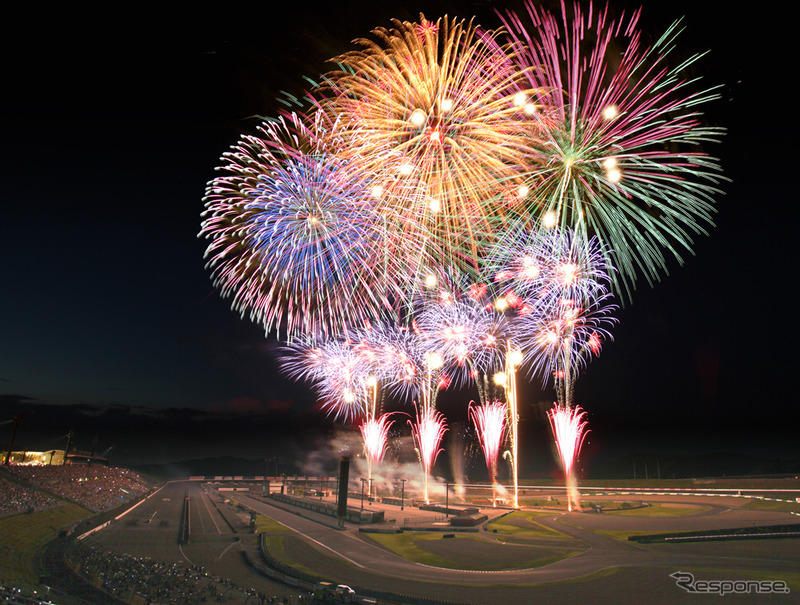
[
  {"x": 296, "y": 239},
  {"x": 547, "y": 265},
  {"x": 439, "y": 103},
  {"x": 337, "y": 371},
  {"x": 564, "y": 342},
  {"x": 469, "y": 334},
  {"x": 620, "y": 135}
]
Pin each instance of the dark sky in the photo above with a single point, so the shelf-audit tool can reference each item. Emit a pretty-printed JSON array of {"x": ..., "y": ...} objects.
[{"x": 109, "y": 323}]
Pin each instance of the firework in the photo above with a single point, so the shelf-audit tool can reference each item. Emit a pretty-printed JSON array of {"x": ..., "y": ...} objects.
[
  {"x": 428, "y": 432},
  {"x": 490, "y": 423},
  {"x": 375, "y": 432},
  {"x": 296, "y": 239},
  {"x": 438, "y": 103},
  {"x": 469, "y": 334},
  {"x": 563, "y": 342},
  {"x": 569, "y": 430},
  {"x": 547, "y": 265},
  {"x": 344, "y": 383},
  {"x": 620, "y": 135}
]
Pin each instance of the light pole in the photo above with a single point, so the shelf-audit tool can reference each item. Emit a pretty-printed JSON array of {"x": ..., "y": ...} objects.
[
  {"x": 363, "y": 481},
  {"x": 370, "y": 496},
  {"x": 446, "y": 498},
  {"x": 402, "y": 492},
  {"x": 18, "y": 418}
]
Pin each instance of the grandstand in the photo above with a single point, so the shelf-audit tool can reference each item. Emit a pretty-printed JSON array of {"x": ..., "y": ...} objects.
[
  {"x": 53, "y": 458},
  {"x": 39, "y": 502}
]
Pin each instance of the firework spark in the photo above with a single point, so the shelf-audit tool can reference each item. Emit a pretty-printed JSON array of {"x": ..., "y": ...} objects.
[
  {"x": 620, "y": 135},
  {"x": 569, "y": 430}
]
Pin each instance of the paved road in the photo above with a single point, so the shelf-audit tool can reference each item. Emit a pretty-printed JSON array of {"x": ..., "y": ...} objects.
[{"x": 152, "y": 530}]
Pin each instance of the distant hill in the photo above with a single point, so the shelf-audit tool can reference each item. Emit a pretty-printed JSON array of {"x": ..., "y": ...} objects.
[
  {"x": 221, "y": 465},
  {"x": 682, "y": 467}
]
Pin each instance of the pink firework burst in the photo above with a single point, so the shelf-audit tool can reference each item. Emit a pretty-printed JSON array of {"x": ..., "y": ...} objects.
[
  {"x": 338, "y": 373},
  {"x": 569, "y": 430}
]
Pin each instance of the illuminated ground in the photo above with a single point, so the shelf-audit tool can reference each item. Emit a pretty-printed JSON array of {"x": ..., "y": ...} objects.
[{"x": 548, "y": 556}]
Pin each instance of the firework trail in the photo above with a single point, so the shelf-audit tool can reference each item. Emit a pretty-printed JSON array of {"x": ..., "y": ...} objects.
[
  {"x": 569, "y": 430},
  {"x": 296, "y": 238},
  {"x": 440, "y": 104},
  {"x": 428, "y": 431},
  {"x": 508, "y": 380},
  {"x": 620, "y": 135},
  {"x": 490, "y": 423}
]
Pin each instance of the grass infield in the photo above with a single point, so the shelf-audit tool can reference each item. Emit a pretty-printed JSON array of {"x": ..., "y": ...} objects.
[{"x": 24, "y": 535}]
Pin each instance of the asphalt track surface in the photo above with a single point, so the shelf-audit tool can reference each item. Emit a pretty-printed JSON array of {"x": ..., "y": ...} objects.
[
  {"x": 604, "y": 570},
  {"x": 218, "y": 535}
]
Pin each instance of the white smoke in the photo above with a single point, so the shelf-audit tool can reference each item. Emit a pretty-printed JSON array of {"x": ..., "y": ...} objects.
[{"x": 401, "y": 462}]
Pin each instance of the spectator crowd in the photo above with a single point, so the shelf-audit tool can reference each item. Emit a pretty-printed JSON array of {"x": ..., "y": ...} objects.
[
  {"x": 95, "y": 487},
  {"x": 10, "y": 595},
  {"x": 15, "y": 499},
  {"x": 125, "y": 576}
]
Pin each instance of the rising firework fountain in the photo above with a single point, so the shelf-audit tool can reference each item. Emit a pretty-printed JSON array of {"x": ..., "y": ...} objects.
[
  {"x": 490, "y": 423},
  {"x": 508, "y": 380},
  {"x": 431, "y": 425},
  {"x": 569, "y": 430},
  {"x": 428, "y": 432},
  {"x": 375, "y": 432}
]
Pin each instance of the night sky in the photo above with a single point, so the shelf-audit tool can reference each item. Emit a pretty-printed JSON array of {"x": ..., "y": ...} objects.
[{"x": 109, "y": 323}]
